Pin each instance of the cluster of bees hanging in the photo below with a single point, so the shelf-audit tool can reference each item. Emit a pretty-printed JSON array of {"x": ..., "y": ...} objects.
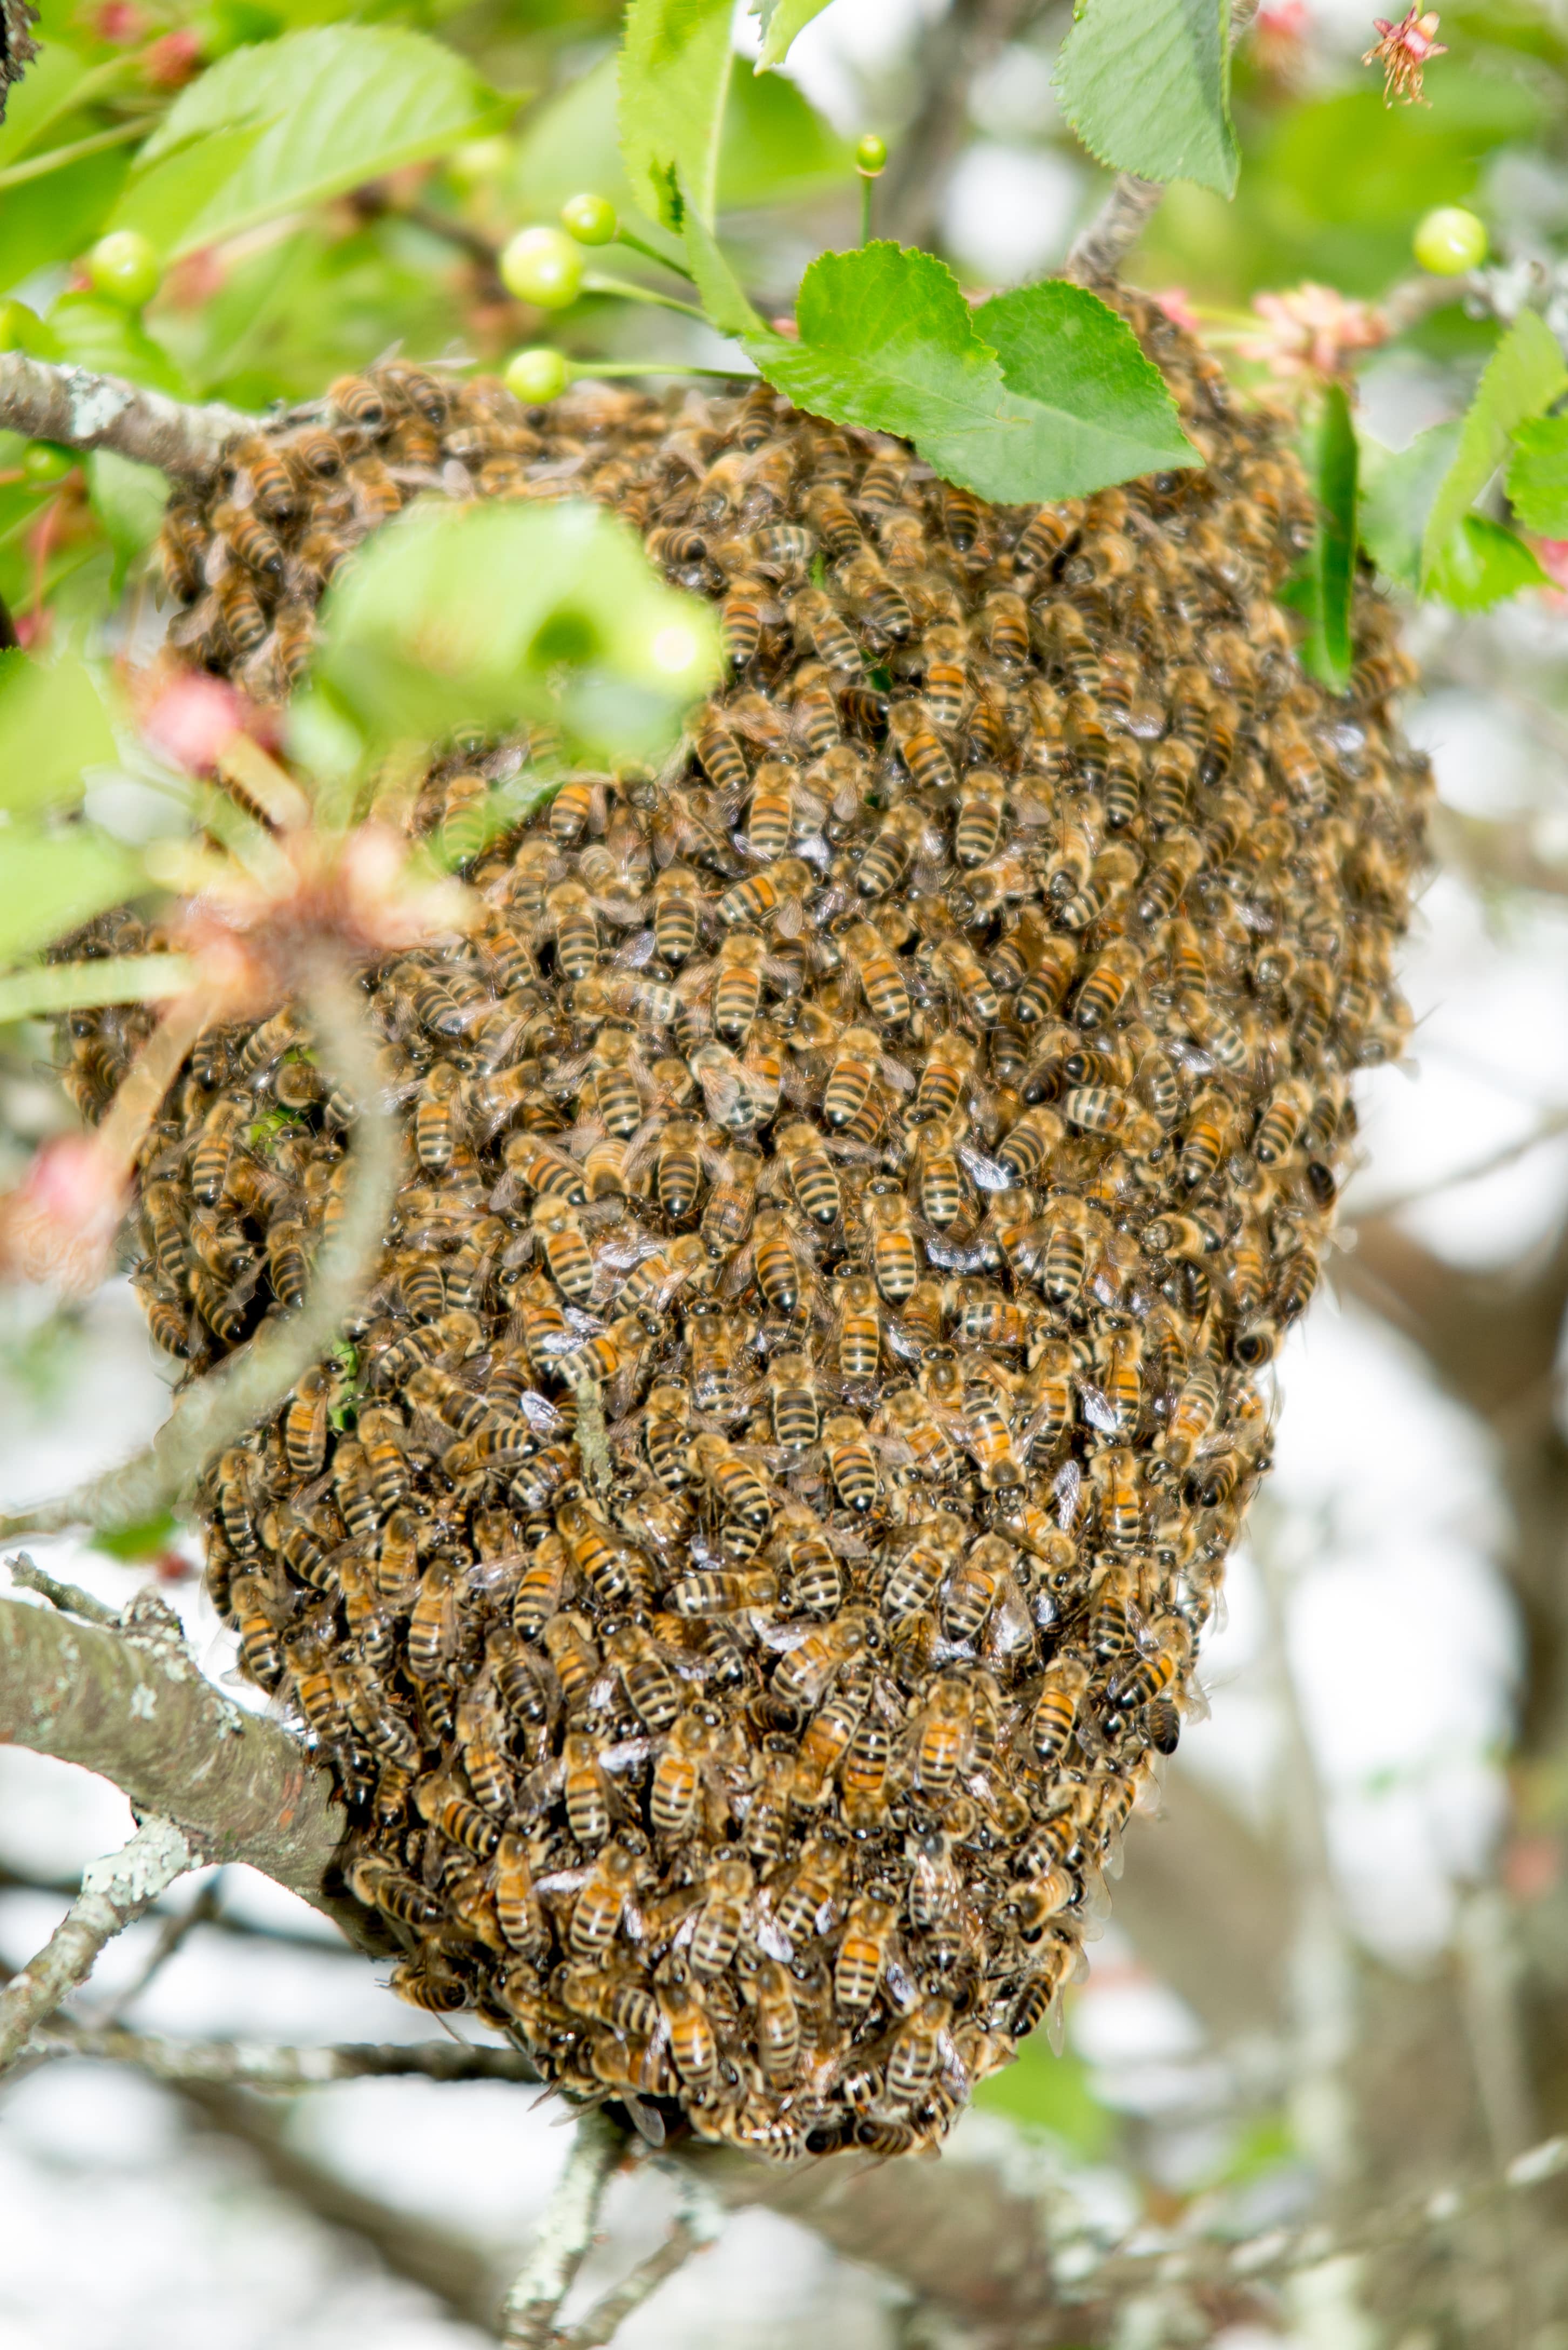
[{"x": 747, "y": 1554}]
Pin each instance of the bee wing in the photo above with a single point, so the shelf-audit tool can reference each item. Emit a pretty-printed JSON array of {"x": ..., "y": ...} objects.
[
  {"x": 635, "y": 952},
  {"x": 987, "y": 1172},
  {"x": 625, "y": 1754}
]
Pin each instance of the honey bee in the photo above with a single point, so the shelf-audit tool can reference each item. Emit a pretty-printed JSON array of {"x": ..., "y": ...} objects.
[
  {"x": 738, "y": 1487},
  {"x": 859, "y": 1331},
  {"x": 923, "y": 750},
  {"x": 1056, "y": 1713},
  {"x": 601, "y": 1902}
]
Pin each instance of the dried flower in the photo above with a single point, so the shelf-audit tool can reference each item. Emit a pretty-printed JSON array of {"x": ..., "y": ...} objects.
[
  {"x": 1312, "y": 330},
  {"x": 1403, "y": 50}
]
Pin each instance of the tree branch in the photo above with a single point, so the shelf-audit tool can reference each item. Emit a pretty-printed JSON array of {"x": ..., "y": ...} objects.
[
  {"x": 957, "y": 48},
  {"x": 216, "y": 1409},
  {"x": 114, "y": 1892},
  {"x": 1099, "y": 250},
  {"x": 259, "y": 2064},
  {"x": 78, "y": 409},
  {"x": 132, "y": 1706},
  {"x": 564, "y": 2236},
  {"x": 698, "y": 2224}
]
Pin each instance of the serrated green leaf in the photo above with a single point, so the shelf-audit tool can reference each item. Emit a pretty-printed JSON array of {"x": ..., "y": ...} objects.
[
  {"x": 675, "y": 65},
  {"x": 1480, "y": 565},
  {"x": 1060, "y": 400},
  {"x": 52, "y": 725},
  {"x": 49, "y": 987},
  {"x": 781, "y": 21},
  {"x": 493, "y": 613},
  {"x": 1524, "y": 375},
  {"x": 1537, "y": 477},
  {"x": 272, "y": 129},
  {"x": 1146, "y": 84},
  {"x": 50, "y": 882},
  {"x": 1106, "y": 413},
  {"x": 1328, "y": 652}
]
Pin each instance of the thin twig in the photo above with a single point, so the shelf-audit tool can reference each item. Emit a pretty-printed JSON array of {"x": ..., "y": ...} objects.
[
  {"x": 564, "y": 2236},
  {"x": 220, "y": 1921},
  {"x": 1394, "y": 1203},
  {"x": 68, "y": 1597},
  {"x": 258, "y": 2065},
  {"x": 172, "y": 1934},
  {"x": 218, "y": 1408},
  {"x": 593, "y": 1445},
  {"x": 78, "y": 409},
  {"x": 953, "y": 52},
  {"x": 114, "y": 1892},
  {"x": 697, "y": 2225}
]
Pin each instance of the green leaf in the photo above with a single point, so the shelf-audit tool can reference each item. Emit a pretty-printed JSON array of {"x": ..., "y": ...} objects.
[
  {"x": 1146, "y": 84},
  {"x": 270, "y": 129},
  {"x": 1328, "y": 652},
  {"x": 1397, "y": 488},
  {"x": 497, "y": 614},
  {"x": 111, "y": 340},
  {"x": 1537, "y": 478},
  {"x": 44, "y": 94},
  {"x": 781, "y": 21},
  {"x": 1525, "y": 374},
  {"x": 52, "y": 725},
  {"x": 1049, "y": 2092},
  {"x": 143, "y": 1541},
  {"x": 76, "y": 986},
  {"x": 1353, "y": 162},
  {"x": 129, "y": 499},
  {"x": 776, "y": 147},
  {"x": 1106, "y": 413},
  {"x": 1042, "y": 394},
  {"x": 51, "y": 882},
  {"x": 48, "y": 219},
  {"x": 675, "y": 64},
  {"x": 1481, "y": 564}
]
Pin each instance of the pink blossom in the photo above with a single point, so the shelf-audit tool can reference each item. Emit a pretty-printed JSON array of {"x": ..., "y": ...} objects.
[
  {"x": 1311, "y": 329},
  {"x": 173, "y": 61},
  {"x": 1174, "y": 302},
  {"x": 189, "y": 719},
  {"x": 119, "y": 21},
  {"x": 58, "y": 1224}
]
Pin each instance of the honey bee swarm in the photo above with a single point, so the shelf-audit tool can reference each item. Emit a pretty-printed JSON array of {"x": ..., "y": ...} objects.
[{"x": 911, "y": 1125}]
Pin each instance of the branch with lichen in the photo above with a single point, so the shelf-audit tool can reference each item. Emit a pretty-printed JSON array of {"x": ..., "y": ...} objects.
[
  {"x": 78, "y": 409},
  {"x": 114, "y": 1894}
]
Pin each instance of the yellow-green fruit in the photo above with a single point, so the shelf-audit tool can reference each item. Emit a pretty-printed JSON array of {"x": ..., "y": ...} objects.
[{"x": 543, "y": 266}]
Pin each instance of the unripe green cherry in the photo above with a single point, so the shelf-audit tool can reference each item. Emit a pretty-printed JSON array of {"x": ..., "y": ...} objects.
[
  {"x": 590, "y": 219},
  {"x": 544, "y": 266},
  {"x": 871, "y": 156},
  {"x": 1449, "y": 241},
  {"x": 42, "y": 461},
  {"x": 535, "y": 374},
  {"x": 124, "y": 267}
]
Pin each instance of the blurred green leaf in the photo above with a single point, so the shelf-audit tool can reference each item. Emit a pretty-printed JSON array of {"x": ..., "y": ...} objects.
[
  {"x": 49, "y": 220},
  {"x": 774, "y": 147},
  {"x": 145, "y": 1541},
  {"x": 1328, "y": 651},
  {"x": 52, "y": 725},
  {"x": 1351, "y": 160},
  {"x": 105, "y": 335},
  {"x": 781, "y": 21},
  {"x": 1537, "y": 478},
  {"x": 129, "y": 499},
  {"x": 49, "y": 987},
  {"x": 1481, "y": 564},
  {"x": 50, "y": 882},
  {"x": 1049, "y": 2092},
  {"x": 46, "y": 91},
  {"x": 675, "y": 65},
  {"x": 1146, "y": 84},
  {"x": 1397, "y": 488},
  {"x": 1043, "y": 393},
  {"x": 1525, "y": 374},
  {"x": 497, "y": 614},
  {"x": 269, "y": 130}
]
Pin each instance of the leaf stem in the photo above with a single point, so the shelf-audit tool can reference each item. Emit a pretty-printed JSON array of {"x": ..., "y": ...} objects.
[
  {"x": 57, "y": 158},
  {"x": 594, "y": 281},
  {"x": 867, "y": 183},
  {"x": 626, "y": 237}
]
